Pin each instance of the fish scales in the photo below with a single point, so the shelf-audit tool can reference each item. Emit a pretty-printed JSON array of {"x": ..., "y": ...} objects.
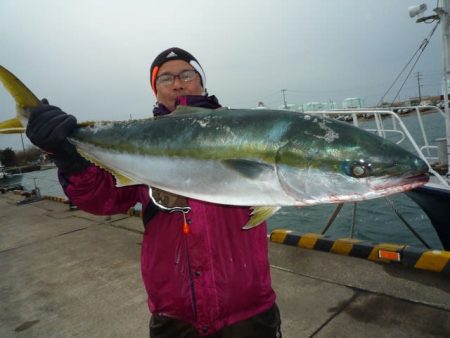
[{"x": 211, "y": 135}]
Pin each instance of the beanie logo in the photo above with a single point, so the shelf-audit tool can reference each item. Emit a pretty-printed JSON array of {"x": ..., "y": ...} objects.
[{"x": 171, "y": 55}]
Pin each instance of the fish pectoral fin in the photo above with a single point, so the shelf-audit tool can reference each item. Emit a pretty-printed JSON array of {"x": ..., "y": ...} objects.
[
  {"x": 247, "y": 168},
  {"x": 121, "y": 179},
  {"x": 11, "y": 126},
  {"x": 259, "y": 215}
]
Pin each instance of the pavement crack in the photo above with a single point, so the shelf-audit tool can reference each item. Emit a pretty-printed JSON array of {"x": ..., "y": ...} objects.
[
  {"x": 339, "y": 310},
  {"x": 70, "y": 232},
  {"x": 125, "y": 228}
]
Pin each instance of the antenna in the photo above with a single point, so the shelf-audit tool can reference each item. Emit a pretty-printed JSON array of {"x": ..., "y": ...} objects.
[{"x": 283, "y": 91}]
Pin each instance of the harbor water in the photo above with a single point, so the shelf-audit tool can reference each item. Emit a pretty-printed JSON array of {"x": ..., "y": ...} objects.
[{"x": 372, "y": 220}]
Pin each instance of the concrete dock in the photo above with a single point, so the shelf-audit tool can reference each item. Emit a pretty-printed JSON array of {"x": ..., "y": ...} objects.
[{"x": 71, "y": 274}]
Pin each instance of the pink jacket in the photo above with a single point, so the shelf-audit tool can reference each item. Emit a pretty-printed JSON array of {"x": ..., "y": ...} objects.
[{"x": 213, "y": 277}]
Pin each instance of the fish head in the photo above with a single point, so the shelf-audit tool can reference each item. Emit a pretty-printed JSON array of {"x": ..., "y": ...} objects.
[{"x": 337, "y": 163}]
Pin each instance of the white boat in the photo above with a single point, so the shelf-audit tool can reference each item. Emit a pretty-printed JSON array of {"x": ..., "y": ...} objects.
[
  {"x": 8, "y": 179},
  {"x": 434, "y": 198}
]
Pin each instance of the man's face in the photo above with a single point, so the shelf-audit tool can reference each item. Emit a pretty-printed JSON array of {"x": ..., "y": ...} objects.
[{"x": 167, "y": 93}]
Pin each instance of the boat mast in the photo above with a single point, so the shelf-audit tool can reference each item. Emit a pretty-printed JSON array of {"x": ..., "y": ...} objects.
[{"x": 443, "y": 13}]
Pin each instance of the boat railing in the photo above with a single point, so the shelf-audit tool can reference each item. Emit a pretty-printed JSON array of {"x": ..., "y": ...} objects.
[
  {"x": 426, "y": 149},
  {"x": 397, "y": 132}
]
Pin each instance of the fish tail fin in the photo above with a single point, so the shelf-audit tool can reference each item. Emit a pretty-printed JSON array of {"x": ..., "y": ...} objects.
[
  {"x": 25, "y": 100},
  {"x": 11, "y": 126}
]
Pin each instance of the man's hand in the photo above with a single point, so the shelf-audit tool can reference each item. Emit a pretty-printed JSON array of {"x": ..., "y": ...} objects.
[{"x": 48, "y": 128}]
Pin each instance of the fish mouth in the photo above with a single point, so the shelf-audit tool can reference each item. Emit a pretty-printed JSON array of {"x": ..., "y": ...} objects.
[{"x": 402, "y": 184}]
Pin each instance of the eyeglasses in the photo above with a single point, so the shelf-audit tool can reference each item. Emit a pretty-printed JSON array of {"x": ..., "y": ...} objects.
[{"x": 168, "y": 79}]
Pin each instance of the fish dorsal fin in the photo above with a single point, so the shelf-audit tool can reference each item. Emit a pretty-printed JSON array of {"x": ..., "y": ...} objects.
[
  {"x": 247, "y": 168},
  {"x": 121, "y": 179},
  {"x": 259, "y": 215},
  {"x": 184, "y": 110}
]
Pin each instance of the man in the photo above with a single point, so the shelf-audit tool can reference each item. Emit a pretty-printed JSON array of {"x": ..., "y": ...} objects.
[{"x": 204, "y": 275}]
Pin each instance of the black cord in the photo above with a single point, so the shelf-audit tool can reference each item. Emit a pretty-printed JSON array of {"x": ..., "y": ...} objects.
[
  {"x": 421, "y": 49},
  {"x": 417, "y": 60}
]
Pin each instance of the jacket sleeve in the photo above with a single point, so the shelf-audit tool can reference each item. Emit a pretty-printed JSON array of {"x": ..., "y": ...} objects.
[{"x": 94, "y": 190}]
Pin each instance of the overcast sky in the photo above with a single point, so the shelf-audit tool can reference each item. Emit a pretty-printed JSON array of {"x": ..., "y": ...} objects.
[{"x": 91, "y": 57}]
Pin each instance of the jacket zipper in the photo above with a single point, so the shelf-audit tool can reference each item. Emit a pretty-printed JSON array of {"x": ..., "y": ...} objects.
[{"x": 191, "y": 279}]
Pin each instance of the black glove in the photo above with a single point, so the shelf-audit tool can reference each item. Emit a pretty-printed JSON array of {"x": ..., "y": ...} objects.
[{"x": 48, "y": 128}]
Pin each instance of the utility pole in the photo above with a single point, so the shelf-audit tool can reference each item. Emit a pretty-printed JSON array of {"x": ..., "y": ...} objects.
[
  {"x": 418, "y": 84},
  {"x": 283, "y": 91}
]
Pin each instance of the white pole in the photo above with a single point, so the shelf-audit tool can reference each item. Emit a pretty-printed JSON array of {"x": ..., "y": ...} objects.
[{"x": 443, "y": 16}]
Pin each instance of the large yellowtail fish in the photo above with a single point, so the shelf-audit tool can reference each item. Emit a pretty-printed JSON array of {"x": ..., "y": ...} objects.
[{"x": 266, "y": 159}]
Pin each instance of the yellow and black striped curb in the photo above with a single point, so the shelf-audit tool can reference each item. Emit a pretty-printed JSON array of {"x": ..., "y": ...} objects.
[
  {"x": 56, "y": 199},
  {"x": 131, "y": 211},
  {"x": 406, "y": 255},
  {"x": 45, "y": 197}
]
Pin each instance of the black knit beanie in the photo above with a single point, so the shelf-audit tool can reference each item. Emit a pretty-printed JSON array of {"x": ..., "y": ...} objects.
[{"x": 170, "y": 54}]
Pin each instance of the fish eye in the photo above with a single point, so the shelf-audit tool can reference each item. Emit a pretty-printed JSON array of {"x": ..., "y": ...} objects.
[
  {"x": 357, "y": 169},
  {"x": 360, "y": 170}
]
